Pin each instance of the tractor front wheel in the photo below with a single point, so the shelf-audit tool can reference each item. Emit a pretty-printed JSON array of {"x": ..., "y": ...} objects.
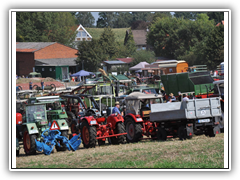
[
  {"x": 134, "y": 130},
  {"x": 120, "y": 139},
  {"x": 88, "y": 135}
]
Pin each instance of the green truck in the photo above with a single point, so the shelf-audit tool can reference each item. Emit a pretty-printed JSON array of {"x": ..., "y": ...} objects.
[{"x": 199, "y": 83}]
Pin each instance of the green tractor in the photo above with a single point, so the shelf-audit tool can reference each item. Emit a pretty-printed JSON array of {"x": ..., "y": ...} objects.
[
  {"x": 34, "y": 123},
  {"x": 40, "y": 113}
]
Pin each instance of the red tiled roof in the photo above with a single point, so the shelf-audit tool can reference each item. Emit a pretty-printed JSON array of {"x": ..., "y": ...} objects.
[{"x": 126, "y": 60}]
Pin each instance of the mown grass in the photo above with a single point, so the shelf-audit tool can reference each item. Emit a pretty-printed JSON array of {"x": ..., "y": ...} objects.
[
  {"x": 198, "y": 152},
  {"x": 119, "y": 33}
]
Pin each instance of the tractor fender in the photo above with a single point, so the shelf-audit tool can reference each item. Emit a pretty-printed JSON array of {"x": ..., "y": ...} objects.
[
  {"x": 114, "y": 119},
  {"x": 90, "y": 119},
  {"x": 136, "y": 118},
  {"x": 62, "y": 123},
  {"x": 32, "y": 128}
]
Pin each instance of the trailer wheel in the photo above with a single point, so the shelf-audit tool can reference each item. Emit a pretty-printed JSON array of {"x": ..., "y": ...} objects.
[
  {"x": 29, "y": 143},
  {"x": 182, "y": 133},
  {"x": 210, "y": 132},
  {"x": 88, "y": 135},
  {"x": 161, "y": 134},
  {"x": 134, "y": 130}
]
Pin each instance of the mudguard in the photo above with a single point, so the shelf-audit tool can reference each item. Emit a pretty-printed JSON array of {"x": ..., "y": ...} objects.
[
  {"x": 62, "y": 123},
  {"x": 32, "y": 128},
  {"x": 113, "y": 119},
  {"x": 90, "y": 119},
  {"x": 136, "y": 118}
]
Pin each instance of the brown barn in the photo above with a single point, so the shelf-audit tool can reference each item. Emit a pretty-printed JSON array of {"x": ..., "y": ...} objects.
[{"x": 31, "y": 54}]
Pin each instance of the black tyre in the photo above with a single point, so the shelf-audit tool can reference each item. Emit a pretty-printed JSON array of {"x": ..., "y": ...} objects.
[
  {"x": 182, "y": 133},
  {"x": 120, "y": 139},
  {"x": 161, "y": 134},
  {"x": 29, "y": 143},
  {"x": 35, "y": 87},
  {"x": 101, "y": 142},
  {"x": 70, "y": 118},
  {"x": 210, "y": 132},
  {"x": 134, "y": 130},
  {"x": 88, "y": 135},
  {"x": 53, "y": 87},
  {"x": 17, "y": 153}
]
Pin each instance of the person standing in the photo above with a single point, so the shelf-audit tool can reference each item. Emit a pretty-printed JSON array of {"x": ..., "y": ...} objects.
[
  {"x": 185, "y": 98},
  {"x": 30, "y": 85},
  {"x": 42, "y": 85}
]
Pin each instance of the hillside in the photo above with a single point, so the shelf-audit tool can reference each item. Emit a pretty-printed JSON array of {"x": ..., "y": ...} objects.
[{"x": 119, "y": 33}]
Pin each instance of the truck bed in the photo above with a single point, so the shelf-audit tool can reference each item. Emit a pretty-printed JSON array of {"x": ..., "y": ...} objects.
[{"x": 192, "y": 109}]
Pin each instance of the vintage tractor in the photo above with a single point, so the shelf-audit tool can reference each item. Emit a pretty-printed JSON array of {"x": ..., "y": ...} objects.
[
  {"x": 55, "y": 112},
  {"x": 98, "y": 127},
  {"x": 137, "y": 122},
  {"x": 34, "y": 123}
]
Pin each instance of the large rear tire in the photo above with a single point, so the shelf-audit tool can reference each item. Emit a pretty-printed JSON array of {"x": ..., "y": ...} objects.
[
  {"x": 53, "y": 87},
  {"x": 70, "y": 118},
  {"x": 88, "y": 135}
]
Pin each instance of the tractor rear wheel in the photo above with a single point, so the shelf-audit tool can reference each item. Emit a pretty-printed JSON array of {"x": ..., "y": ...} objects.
[
  {"x": 35, "y": 87},
  {"x": 88, "y": 135},
  {"x": 182, "y": 133},
  {"x": 134, "y": 130},
  {"x": 120, "y": 139},
  {"x": 53, "y": 87},
  {"x": 70, "y": 118},
  {"x": 29, "y": 143}
]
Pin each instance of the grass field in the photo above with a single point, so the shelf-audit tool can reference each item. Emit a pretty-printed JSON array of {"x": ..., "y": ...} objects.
[
  {"x": 198, "y": 152},
  {"x": 119, "y": 33}
]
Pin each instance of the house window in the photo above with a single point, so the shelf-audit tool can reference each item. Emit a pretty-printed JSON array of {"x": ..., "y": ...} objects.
[
  {"x": 84, "y": 34},
  {"x": 42, "y": 69},
  {"x": 170, "y": 70},
  {"x": 50, "y": 69},
  {"x": 79, "y": 34}
]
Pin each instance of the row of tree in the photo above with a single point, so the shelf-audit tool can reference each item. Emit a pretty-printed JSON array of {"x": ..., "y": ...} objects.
[
  {"x": 198, "y": 42},
  {"x": 193, "y": 37}
]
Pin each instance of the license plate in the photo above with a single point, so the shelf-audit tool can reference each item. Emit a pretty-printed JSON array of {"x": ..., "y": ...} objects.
[
  {"x": 139, "y": 119},
  {"x": 203, "y": 120}
]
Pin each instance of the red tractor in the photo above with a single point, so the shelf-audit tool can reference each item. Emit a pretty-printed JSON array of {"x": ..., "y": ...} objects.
[
  {"x": 100, "y": 125},
  {"x": 137, "y": 120}
]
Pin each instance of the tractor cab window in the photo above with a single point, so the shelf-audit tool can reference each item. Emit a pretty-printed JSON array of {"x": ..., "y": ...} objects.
[{"x": 36, "y": 112}]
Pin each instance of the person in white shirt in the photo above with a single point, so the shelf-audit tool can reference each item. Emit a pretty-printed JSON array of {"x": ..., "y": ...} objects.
[{"x": 185, "y": 98}]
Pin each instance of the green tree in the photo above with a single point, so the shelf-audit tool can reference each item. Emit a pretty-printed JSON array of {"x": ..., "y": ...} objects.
[
  {"x": 106, "y": 19},
  {"x": 141, "y": 16},
  {"x": 129, "y": 44},
  {"x": 123, "y": 20},
  {"x": 107, "y": 42},
  {"x": 187, "y": 15},
  {"x": 141, "y": 56},
  {"x": 216, "y": 16},
  {"x": 90, "y": 55},
  {"x": 45, "y": 27},
  {"x": 85, "y": 18}
]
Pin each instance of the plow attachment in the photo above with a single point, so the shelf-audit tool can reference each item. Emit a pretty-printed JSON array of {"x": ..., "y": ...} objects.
[{"x": 51, "y": 138}]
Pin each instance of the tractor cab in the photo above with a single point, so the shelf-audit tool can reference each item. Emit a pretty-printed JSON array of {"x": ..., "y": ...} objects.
[
  {"x": 140, "y": 104},
  {"x": 36, "y": 114}
]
